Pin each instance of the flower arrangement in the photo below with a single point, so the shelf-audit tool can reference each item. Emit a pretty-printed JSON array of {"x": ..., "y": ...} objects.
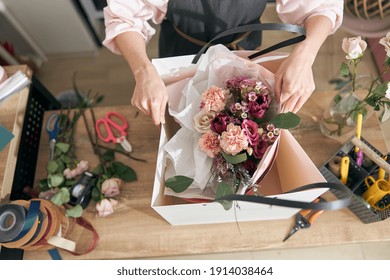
[
  {"x": 237, "y": 125},
  {"x": 68, "y": 177},
  {"x": 377, "y": 93}
]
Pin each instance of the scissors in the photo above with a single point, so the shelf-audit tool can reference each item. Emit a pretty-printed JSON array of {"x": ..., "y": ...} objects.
[
  {"x": 109, "y": 124},
  {"x": 303, "y": 221},
  {"x": 53, "y": 129}
]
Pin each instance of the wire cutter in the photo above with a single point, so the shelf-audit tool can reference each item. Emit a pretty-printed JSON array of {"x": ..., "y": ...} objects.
[{"x": 304, "y": 219}]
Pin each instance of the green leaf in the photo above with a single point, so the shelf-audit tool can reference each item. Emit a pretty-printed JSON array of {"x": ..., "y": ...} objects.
[
  {"x": 108, "y": 156},
  {"x": 123, "y": 171},
  {"x": 98, "y": 169},
  {"x": 65, "y": 159},
  {"x": 223, "y": 189},
  {"x": 52, "y": 166},
  {"x": 63, "y": 147},
  {"x": 234, "y": 159},
  {"x": 371, "y": 101},
  {"x": 95, "y": 194},
  {"x": 380, "y": 89},
  {"x": 61, "y": 197},
  {"x": 178, "y": 183},
  {"x": 287, "y": 120},
  {"x": 56, "y": 180},
  {"x": 344, "y": 70},
  {"x": 75, "y": 212}
]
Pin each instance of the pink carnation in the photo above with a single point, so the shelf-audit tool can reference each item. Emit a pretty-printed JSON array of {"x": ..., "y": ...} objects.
[
  {"x": 214, "y": 99},
  {"x": 209, "y": 144},
  {"x": 233, "y": 140}
]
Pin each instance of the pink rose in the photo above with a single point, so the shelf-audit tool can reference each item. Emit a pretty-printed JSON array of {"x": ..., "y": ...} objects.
[
  {"x": 219, "y": 123},
  {"x": 111, "y": 187},
  {"x": 251, "y": 131},
  {"x": 209, "y": 143},
  {"x": 213, "y": 99},
  {"x": 233, "y": 140},
  {"x": 354, "y": 47},
  {"x": 105, "y": 207}
]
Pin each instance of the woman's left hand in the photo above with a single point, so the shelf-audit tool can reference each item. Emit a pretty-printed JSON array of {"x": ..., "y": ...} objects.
[{"x": 294, "y": 82}]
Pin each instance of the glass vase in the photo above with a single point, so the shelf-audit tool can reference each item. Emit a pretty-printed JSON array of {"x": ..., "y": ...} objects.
[{"x": 341, "y": 114}]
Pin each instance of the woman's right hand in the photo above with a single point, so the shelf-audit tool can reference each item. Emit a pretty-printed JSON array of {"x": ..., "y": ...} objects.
[{"x": 150, "y": 95}]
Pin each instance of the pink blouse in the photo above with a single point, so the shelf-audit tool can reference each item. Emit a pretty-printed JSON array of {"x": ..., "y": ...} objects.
[{"x": 133, "y": 15}]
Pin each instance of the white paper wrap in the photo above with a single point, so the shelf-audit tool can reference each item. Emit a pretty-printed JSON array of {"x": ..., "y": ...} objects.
[{"x": 183, "y": 155}]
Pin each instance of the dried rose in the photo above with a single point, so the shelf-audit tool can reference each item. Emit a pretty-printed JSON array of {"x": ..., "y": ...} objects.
[
  {"x": 111, "y": 187},
  {"x": 105, "y": 207}
]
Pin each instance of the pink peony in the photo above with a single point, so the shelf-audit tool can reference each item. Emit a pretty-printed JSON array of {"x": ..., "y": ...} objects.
[
  {"x": 233, "y": 140},
  {"x": 251, "y": 131},
  {"x": 105, "y": 207},
  {"x": 209, "y": 144},
  {"x": 111, "y": 187},
  {"x": 213, "y": 99}
]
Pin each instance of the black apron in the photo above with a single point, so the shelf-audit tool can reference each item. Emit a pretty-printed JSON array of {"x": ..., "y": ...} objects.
[{"x": 204, "y": 19}]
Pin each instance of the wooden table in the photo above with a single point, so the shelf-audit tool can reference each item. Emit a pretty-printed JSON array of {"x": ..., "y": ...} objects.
[
  {"x": 135, "y": 230},
  {"x": 12, "y": 112}
]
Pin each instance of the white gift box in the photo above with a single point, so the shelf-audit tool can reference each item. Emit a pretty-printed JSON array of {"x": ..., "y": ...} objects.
[{"x": 291, "y": 169}]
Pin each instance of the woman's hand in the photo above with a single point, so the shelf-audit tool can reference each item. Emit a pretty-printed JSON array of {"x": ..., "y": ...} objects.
[
  {"x": 294, "y": 82},
  {"x": 150, "y": 95}
]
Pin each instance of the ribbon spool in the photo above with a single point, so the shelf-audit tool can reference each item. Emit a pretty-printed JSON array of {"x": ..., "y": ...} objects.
[{"x": 38, "y": 224}]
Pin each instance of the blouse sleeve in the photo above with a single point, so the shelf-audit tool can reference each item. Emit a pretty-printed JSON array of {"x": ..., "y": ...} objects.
[
  {"x": 131, "y": 15},
  {"x": 298, "y": 11}
]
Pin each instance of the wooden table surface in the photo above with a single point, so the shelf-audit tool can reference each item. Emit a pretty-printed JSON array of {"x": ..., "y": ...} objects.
[
  {"x": 135, "y": 230},
  {"x": 12, "y": 111}
]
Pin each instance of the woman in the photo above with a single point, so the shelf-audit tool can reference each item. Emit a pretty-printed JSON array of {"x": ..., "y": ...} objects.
[{"x": 186, "y": 24}]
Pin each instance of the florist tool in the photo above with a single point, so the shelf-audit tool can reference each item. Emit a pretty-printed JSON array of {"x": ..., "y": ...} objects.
[
  {"x": 344, "y": 169},
  {"x": 371, "y": 154},
  {"x": 377, "y": 193},
  {"x": 302, "y": 219},
  {"x": 358, "y": 152},
  {"x": 109, "y": 125},
  {"x": 53, "y": 128},
  {"x": 381, "y": 171}
]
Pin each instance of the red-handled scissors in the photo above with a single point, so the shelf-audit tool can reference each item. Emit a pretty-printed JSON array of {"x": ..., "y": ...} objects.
[{"x": 109, "y": 125}]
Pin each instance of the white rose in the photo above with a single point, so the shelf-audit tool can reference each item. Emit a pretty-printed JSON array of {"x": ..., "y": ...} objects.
[
  {"x": 385, "y": 41},
  {"x": 388, "y": 87},
  {"x": 202, "y": 121},
  {"x": 354, "y": 47}
]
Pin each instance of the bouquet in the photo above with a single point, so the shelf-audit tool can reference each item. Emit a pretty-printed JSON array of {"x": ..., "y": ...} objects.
[{"x": 235, "y": 126}]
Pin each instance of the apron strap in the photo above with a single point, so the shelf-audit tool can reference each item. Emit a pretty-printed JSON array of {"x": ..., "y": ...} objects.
[{"x": 260, "y": 27}]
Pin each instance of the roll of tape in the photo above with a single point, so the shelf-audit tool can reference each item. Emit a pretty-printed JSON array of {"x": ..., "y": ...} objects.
[
  {"x": 30, "y": 224},
  {"x": 12, "y": 218}
]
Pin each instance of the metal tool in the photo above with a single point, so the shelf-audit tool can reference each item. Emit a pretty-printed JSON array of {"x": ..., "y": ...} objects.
[
  {"x": 53, "y": 129},
  {"x": 109, "y": 125},
  {"x": 304, "y": 219}
]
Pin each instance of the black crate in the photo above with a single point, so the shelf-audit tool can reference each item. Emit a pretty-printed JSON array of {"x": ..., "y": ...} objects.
[
  {"x": 39, "y": 101},
  {"x": 357, "y": 174}
]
